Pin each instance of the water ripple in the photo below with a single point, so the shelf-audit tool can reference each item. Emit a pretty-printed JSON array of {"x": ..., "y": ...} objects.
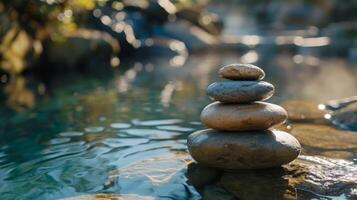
[
  {"x": 175, "y": 128},
  {"x": 120, "y": 125},
  {"x": 156, "y": 122},
  {"x": 71, "y": 133},
  {"x": 151, "y": 133},
  {"x": 94, "y": 129}
]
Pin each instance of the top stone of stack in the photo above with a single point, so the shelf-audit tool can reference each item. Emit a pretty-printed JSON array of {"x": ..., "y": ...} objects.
[
  {"x": 245, "y": 85},
  {"x": 241, "y": 72}
]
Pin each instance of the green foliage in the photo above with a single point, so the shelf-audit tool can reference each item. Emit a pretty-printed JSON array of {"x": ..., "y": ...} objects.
[{"x": 26, "y": 24}]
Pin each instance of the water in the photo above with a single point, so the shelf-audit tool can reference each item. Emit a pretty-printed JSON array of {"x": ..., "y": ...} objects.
[{"x": 124, "y": 132}]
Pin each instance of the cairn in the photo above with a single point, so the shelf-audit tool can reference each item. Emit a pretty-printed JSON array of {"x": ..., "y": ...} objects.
[{"x": 239, "y": 122}]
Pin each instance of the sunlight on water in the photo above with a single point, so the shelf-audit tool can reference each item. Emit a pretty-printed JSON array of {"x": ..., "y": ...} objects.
[{"x": 120, "y": 125}]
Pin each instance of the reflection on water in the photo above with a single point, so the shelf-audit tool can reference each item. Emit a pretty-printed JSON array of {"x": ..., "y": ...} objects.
[{"x": 124, "y": 133}]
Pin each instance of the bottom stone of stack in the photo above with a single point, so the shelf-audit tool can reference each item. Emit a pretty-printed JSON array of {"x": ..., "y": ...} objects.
[{"x": 242, "y": 150}]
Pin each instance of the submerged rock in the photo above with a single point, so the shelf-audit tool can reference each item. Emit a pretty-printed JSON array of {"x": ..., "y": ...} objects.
[
  {"x": 304, "y": 111},
  {"x": 340, "y": 103},
  {"x": 200, "y": 175},
  {"x": 253, "y": 185},
  {"x": 342, "y": 113},
  {"x": 346, "y": 117},
  {"x": 324, "y": 137},
  {"x": 307, "y": 177},
  {"x": 243, "y": 150},
  {"x": 332, "y": 177},
  {"x": 240, "y": 91},
  {"x": 240, "y": 117},
  {"x": 241, "y": 72},
  {"x": 214, "y": 192}
]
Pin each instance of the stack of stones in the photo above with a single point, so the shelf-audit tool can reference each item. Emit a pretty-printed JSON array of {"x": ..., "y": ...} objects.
[{"x": 239, "y": 137}]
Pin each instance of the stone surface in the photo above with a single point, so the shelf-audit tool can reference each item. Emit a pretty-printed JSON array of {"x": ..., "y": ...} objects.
[
  {"x": 346, "y": 117},
  {"x": 240, "y": 117},
  {"x": 240, "y": 91},
  {"x": 307, "y": 177},
  {"x": 331, "y": 177},
  {"x": 254, "y": 184},
  {"x": 241, "y": 72},
  {"x": 340, "y": 103},
  {"x": 342, "y": 113},
  {"x": 305, "y": 111},
  {"x": 213, "y": 192},
  {"x": 244, "y": 150},
  {"x": 324, "y": 137},
  {"x": 200, "y": 175}
]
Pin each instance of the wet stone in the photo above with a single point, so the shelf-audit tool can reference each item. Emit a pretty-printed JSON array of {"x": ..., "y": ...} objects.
[
  {"x": 324, "y": 137},
  {"x": 240, "y": 117},
  {"x": 240, "y": 91},
  {"x": 200, "y": 175},
  {"x": 253, "y": 185},
  {"x": 340, "y": 103},
  {"x": 241, "y": 72},
  {"x": 307, "y": 177},
  {"x": 346, "y": 117},
  {"x": 243, "y": 150},
  {"x": 305, "y": 111},
  {"x": 213, "y": 192}
]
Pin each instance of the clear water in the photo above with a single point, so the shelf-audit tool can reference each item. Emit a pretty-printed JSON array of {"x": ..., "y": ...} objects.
[{"x": 124, "y": 131}]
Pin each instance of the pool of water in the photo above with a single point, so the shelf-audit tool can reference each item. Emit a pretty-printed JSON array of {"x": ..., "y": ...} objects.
[{"x": 124, "y": 132}]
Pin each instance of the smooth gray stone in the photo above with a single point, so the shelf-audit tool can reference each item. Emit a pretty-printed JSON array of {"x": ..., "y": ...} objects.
[
  {"x": 242, "y": 150},
  {"x": 240, "y": 91},
  {"x": 241, "y": 72}
]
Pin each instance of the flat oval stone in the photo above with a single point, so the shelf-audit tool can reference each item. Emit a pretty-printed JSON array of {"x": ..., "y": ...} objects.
[
  {"x": 241, "y": 72},
  {"x": 242, "y": 117},
  {"x": 240, "y": 91},
  {"x": 242, "y": 150}
]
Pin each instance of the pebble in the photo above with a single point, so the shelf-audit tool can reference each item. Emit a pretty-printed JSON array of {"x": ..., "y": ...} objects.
[
  {"x": 240, "y": 91},
  {"x": 241, "y": 72},
  {"x": 243, "y": 150},
  {"x": 241, "y": 117}
]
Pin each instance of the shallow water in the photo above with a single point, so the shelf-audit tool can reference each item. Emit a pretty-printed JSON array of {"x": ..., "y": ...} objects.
[{"x": 124, "y": 131}]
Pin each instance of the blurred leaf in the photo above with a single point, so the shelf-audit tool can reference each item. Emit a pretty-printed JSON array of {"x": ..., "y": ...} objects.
[
  {"x": 19, "y": 96},
  {"x": 83, "y": 4},
  {"x": 16, "y": 44}
]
